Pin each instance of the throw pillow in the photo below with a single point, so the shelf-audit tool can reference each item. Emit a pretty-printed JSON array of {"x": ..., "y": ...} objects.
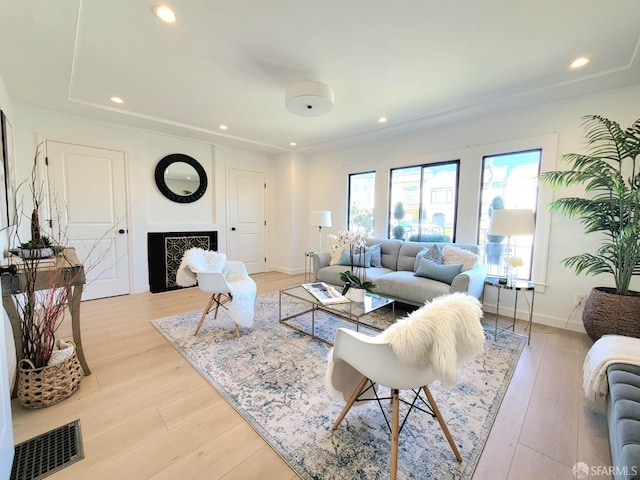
[
  {"x": 335, "y": 256},
  {"x": 452, "y": 255},
  {"x": 376, "y": 255},
  {"x": 435, "y": 271},
  {"x": 432, "y": 253},
  {"x": 357, "y": 259}
]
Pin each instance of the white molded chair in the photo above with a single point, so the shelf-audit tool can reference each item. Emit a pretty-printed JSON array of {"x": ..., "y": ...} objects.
[
  {"x": 429, "y": 344},
  {"x": 217, "y": 285},
  {"x": 375, "y": 363}
]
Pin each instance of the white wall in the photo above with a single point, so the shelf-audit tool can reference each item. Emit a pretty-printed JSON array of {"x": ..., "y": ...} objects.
[
  {"x": 296, "y": 184},
  {"x": 149, "y": 210},
  {"x": 465, "y": 141}
]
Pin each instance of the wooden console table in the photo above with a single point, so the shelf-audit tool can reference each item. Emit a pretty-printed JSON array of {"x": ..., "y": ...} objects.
[{"x": 48, "y": 275}]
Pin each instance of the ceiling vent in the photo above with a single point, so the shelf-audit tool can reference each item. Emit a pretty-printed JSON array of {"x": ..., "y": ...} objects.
[{"x": 309, "y": 99}]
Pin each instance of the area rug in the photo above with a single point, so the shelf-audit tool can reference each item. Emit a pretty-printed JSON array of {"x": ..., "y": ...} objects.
[{"x": 274, "y": 377}]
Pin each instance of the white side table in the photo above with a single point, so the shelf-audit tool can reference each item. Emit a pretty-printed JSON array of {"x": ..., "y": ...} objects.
[{"x": 518, "y": 286}]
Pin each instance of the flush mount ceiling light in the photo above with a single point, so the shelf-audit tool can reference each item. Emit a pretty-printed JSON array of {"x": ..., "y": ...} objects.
[
  {"x": 116, "y": 100},
  {"x": 309, "y": 99}
]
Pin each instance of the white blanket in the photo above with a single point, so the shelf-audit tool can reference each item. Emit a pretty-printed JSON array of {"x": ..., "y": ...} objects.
[
  {"x": 605, "y": 351},
  {"x": 199, "y": 259},
  {"x": 242, "y": 287}
]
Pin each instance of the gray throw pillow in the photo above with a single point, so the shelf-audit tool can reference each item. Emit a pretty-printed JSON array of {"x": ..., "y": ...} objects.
[
  {"x": 435, "y": 271},
  {"x": 432, "y": 253},
  {"x": 355, "y": 259},
  {"x": 376, "y": 255}
]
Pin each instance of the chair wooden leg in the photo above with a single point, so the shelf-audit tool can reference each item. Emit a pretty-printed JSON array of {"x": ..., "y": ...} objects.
[
  {"x": 204, "y": 314},
  {"x": 443, "y": 425},
  {"x": 238, "y": 334},
  {"x": 215, "y": 313},
  {"x": 395, "y": 432},
  {"x": 361, "y": 386}
]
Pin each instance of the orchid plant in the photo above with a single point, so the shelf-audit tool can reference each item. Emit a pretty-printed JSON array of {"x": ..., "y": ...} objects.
[{"x": 356, "y": 243}]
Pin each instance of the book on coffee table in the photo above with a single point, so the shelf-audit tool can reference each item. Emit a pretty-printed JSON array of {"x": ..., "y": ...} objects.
[{"x": 325, "y": 294}]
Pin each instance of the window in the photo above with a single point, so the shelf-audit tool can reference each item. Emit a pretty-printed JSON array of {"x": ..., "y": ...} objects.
[
  {"x": 508, "y": 181},
  {"x": 362, "y": 188},
  {"x": 424, "y": 202}
]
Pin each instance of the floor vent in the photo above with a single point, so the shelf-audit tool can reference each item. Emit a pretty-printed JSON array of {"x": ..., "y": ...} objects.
[{"x": 47, "y": 453}]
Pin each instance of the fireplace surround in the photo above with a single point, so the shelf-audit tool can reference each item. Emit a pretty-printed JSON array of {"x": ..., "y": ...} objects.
[{"x": 165, "y": 251}]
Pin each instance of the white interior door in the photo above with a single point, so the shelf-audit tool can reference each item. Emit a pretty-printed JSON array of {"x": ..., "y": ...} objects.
[
  {"x": 246, "y": 235},
  {"x": 88, "y": 186}
]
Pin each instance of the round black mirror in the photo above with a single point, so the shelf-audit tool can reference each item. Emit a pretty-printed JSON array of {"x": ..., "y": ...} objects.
[{"x": 181, "y": 178}]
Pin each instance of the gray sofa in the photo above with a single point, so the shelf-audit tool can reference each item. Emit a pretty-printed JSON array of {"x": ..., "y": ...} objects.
[
  {"x": 623, "y": 415},
  {"x": 396, "y": 279}
]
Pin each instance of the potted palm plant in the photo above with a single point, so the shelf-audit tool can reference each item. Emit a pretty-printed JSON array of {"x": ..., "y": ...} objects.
[{"x": 610, "y": 173}]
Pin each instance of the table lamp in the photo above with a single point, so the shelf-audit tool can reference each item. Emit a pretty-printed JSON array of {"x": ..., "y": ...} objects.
[{"x": 511, "y": 223}]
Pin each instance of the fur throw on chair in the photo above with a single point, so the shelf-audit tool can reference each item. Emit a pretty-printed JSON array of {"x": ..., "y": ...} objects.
[
  {"x": 244, "y": 291},
  {"x": 199, "y": 259},
  {"x": 443, "y": 333},
  {"x": 242, "y": 287}
]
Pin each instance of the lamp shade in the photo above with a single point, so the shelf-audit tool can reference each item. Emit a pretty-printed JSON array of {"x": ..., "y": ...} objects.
[
  {"x": 309, "y": 99},
  {"x": 512, "y": 222},
  {"x": 320, "y": 218}
]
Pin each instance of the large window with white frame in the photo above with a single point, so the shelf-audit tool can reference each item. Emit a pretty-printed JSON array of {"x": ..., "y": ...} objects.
[
  {"x": 361, "y": 202},
  {"x": 423, "y": 202},
  {"x": 509, "y": 181}
]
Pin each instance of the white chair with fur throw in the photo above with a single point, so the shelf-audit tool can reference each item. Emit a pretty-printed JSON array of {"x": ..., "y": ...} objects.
[
  {"x": 429, "y": 344},
  {"x": 226, "y": 282}
]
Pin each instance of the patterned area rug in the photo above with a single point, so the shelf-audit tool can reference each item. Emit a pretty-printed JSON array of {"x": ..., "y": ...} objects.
[{"x": 274, "y": 377}]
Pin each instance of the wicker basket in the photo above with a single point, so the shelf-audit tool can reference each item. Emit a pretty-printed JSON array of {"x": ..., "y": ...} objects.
[
  {"x": 605, "y": 312},
  {"x": 46, "y": 386}
]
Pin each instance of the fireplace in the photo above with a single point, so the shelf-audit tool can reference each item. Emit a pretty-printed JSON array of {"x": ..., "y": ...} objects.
[{"x": 165, "y": 251}]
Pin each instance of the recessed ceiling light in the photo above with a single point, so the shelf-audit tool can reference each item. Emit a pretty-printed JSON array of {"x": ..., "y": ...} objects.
[
  {"x": 116, "y": 100},
  {"x": 382, "y": 120},
  {"x": 164, "y": 13},
  {"x": 223, "y": 127},
  {"x": 293, "y": 144},
  {"x": 579, "y": 62}
]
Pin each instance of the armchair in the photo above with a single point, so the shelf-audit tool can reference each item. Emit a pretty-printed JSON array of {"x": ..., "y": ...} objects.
[
  {"x": 226, "y": 282},
  {"x": 427, "y": 345},
  {"x": 220, "y": 286}
]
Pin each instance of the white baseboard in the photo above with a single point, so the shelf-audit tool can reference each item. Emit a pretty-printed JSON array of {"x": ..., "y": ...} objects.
[
  {"x": 287, "y": 271},
  {"x": 573, "y": 324}
]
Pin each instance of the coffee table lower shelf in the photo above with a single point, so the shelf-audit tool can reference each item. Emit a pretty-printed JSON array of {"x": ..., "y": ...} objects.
[{"x": 351, "y": 312}]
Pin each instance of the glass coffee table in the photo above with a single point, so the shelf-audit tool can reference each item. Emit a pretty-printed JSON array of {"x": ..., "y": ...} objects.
[{"x": 351, "y": 311}]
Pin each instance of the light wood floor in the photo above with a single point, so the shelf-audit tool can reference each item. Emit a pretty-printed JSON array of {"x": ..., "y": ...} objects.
[{"x": 146, "y": 413}]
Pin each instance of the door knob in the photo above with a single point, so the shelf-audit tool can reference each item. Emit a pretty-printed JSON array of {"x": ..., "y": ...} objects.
[
  {"x": 233, "y": 229},
  {"x": 121, "y": 231}
]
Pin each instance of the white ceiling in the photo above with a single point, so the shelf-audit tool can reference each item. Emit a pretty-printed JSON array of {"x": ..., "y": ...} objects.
[{"x": 420, "y": 63}]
